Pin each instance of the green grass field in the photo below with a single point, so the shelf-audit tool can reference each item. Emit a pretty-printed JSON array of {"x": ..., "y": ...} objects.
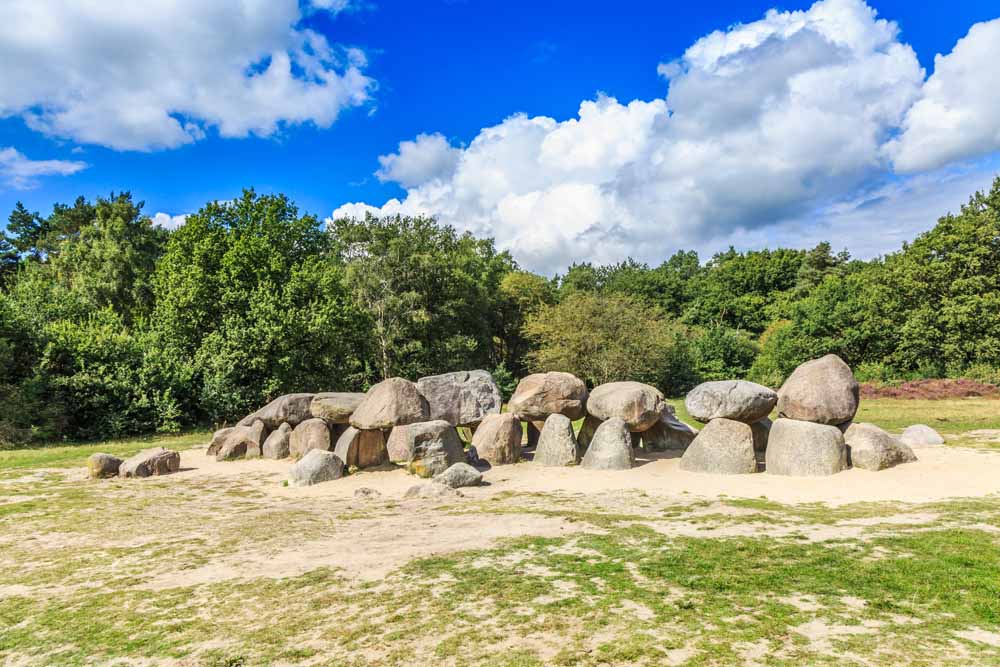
[{"x": 177, "y": 571}]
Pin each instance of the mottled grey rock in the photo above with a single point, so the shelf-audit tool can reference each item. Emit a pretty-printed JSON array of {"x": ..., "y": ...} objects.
[
  {"x": 723, "y": 447},
  {"x": 556, "y": 444},
  {"x": 670, "y": 433},
  {"x": 361, "y": 449},
  {"x": 542, "y": 394},
  {"x": 335, "y": 407},
  {"x": 871, "y": 448},
  {"x": 739, "y": 400},
  {"x": 150, "y": 462},
  {"x": 316, "y": 466},
  {"x": 611, "y": 447},
  {"x": 218, "y": 438},
  {"x": 459, "y": 475},
  {"x": 427, "y": 448},
  {"x": 389, "y": 403},
  {"x": 639, "y": 405},
  {"x": 920, "y": 435},
  {"x": 277, "y": 444},
  {"x": 823, "y": 391},
  {"x": 497, "y": 439},
  {"x": 432, "y": 490},
  {"x": 101, "y": 465},
  {"x": 462, "y": 398},
  {"x": 805, "y": 449},
  {"x": 242, "y": 441},
  {"x": 310, "y": 434},
  {"x": 290, "y": 408}
]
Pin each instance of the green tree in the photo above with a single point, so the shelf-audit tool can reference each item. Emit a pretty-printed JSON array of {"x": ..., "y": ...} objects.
[{"x": 522, "y": 294}]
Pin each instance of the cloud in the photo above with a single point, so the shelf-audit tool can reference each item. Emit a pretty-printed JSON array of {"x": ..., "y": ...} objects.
[
  {"x": 763, "y": 123},
  {"x": 957, "y": 115},
  {"x": 21, "y": 173},
  {"x": 427, "y": 158},
  {"x": 162, "y": 73},
  {"x": 168, "y": 221}
]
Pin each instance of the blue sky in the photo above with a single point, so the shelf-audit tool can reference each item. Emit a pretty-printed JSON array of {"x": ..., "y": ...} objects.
[{"x": 455, "y": 68}]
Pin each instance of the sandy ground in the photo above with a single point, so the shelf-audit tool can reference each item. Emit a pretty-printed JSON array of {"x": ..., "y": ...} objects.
[{"x": 941, "y": 472}]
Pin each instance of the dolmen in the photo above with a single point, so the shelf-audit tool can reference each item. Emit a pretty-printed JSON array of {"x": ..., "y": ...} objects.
[{"x": 736, "y": 428}]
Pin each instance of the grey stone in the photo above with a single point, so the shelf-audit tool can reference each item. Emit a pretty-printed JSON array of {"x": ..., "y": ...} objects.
[
  {"x": 309, "y": 435},
  {"x": 389, "y": 403},
  {"x": 316, "y": 466},
  {"x": 462, "y": 398},
  {"x": 739, "y": 400},
  {"x": 276, "y": 446},
  {"x": 242, "y": 441},
  {"x": 290, "y": 408},
  {"x": 586, "y": 433},
  {"x": 151, "y": 462},
  {"x": 218, "y": 438},
  {"x": 459, "y": 475},
  {"x": 670, "y": 433},
  {"x": 610, "y": 448},
  {"x": 724, "y": 447},
  {"x": 427, "y": 448},
  {"x": 871, "y": 448},
  {"x": 432, "y": 490},
  {"x": 497, "y": 440},
  {"x": 639, "y": 405},
  {"x": 367, "y": 493},
  {"x": 335, "y": 407},
  {"x": 921, "y": 435},
  {"x": 823, "y": 391},
  {"x": 101, "y": 465},
  {"x": 805, "y": 449},
  {"x": 361, "y": 449},
  {"x": 542, "y": 394},
  {"x": 556, "y": 444}
]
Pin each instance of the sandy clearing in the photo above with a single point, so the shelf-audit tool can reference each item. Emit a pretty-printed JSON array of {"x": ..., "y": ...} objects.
[{"x": 940, "y": 473}]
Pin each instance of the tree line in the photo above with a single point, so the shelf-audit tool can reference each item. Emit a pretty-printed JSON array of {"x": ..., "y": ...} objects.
[{"x": 111, "y": 326}]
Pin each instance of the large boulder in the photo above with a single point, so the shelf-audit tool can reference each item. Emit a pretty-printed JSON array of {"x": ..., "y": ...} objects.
[
  {"x": 497, "y": 439},
  {"x": 361, "y": 449},
  {"x": 921, "y": 435},
  {"x": 823, "y": 391},
  {"x": 871, "y": 448},
  {"x": 669, "y": 433},
  {"x": 542, "y": 394},
  {"x": 610, "y": 448},
  {"x": 427, "y": 448},
  {"x": 335, "y": 407},
  {"x": 218, "y": 438},
  {"x": 739, "y": 400},
  {"x": 290, "y": 408},
  {"x": 724, "y": 447},
  {"x": 556, "y": 444},
  {"x": 586, "y": 433},
  {"x": 639, "y": 405},
  {"x": 316, "y": 466},
  {"x": 150, "y": 462},
  {"x": 389, "y": 403},
  {"x": 101, "y": 465},
  {"x": 805, "y": 449},
  {"x": 242, "y": 441},
  {"x": 277, "y": 444},
  {"x": 459, "y": 475},
  {"x": 310, "y": 434},
  {"x": 462, "y": 398}
]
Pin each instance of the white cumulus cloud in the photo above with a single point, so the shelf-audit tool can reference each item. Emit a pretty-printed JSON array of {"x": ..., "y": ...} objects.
[
  {"x": 161, "y": 73},
  {"x": 957, "y": 116},
  {"x": 168, "y": 221},
  {"x": 762, "y": 123},
  {"x": 21, "y": 173},
  {"x": 424, "y": 159}
]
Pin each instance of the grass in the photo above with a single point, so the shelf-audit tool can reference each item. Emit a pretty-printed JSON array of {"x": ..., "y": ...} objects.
[{"x": 634, "y": 579}]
